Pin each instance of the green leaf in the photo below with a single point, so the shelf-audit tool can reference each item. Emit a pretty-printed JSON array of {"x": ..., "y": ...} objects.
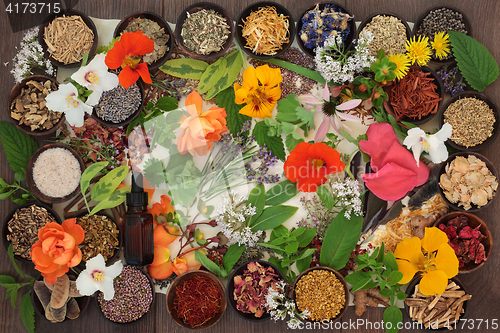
[
  {"x": 13, "y": 296},
  {"x": 154, "y": 172},
  {"x": 291, "y": 141},
  {"x": 185, "y": 68},
  {"x": 10, "y": 251},
  {"x": 306, "y": 237},
  {"x": 276, "y": 262},
  {"x": 303, "y": 264},
  {"x": 18, "y": 146},
  {"x": 288, "y": 109},
  {"x": 476, "y": 63},
  {"x": 387, "y": 293},
  {"x": 392, "y": 317},
  {"x": 313, "y": 75},
  {"x": 106, "y": 48},
  {"x": 395, "y": 277},
  {"x": 272, "y": 217},
  {"x": 89, "y": 173},
  {"x": 116, "y": 198},
  {"x": 209, "y": 264},
  {"x": 273, "y": 143},
  {"x": 325, "y": 196},
  {"x": 305, "y": 253},
  {"x": 107, "y": 184},
  {"x": 361, "y": 284},
  {"x": 340, "y": 239},
  {"x": 390, "y": 261},
  {"x": 235, "y": 120},
  {"x": 381, "y": 254},
  {"x": 281, "y": 193},
  {"x": 212, "y": 74},
  {"x": 232, "y": 255},
  {"x": 7, "y": 281},
  {"x": 292, "y": 247},
  {"x": 234, "y": 62},
  {"x": 167, "y": 103},
  {"x": 6, "y": 195},
  {"x": 354, "y": 278},
  {"x": 257, "y": 198},
  {"x": 280, "y": 232},
  {"x": 278, "y": 249},
  {"x": 27, "y": 312},
  {"x": 306, "y": 116},
  {"x": 401, "y": 295}
]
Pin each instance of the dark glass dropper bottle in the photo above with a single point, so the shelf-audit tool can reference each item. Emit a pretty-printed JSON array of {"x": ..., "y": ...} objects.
[{"x": 138, "y": 225}]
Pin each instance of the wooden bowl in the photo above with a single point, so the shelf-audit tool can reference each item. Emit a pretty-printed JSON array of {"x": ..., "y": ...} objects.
[
  {"x": 490, "y": 166},
  {"x": 161, "y": 22},
  {"x": 421, "y": 18},
  {"x": 16, "y": 91},
  {"x": 230, "y": 289},
  {"x": 5, "y": 230},
  {"x": 31, "y": 183},
  {"x": 473, "y": 222},
  {"x": 300, "y": 24},
  {"x": 171, "y": 293},
  {"x": 130, "y": 118},
  {"x": 196, "y": 8},
  {"x": 253, "y": 8},
  {"x": 49, "y": 19},
  {"x": 491, "y": 104},
  {"x": 341, "y": 279}
]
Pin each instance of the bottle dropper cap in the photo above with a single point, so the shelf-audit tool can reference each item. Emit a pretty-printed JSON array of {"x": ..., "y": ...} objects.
[{"x": 137, "y": 196}]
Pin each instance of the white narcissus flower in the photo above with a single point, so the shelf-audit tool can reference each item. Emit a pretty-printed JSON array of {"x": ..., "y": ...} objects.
[
  {"x": 97, "y": 276},
  {"x": 66, "y": 100},
  {"x": 420, "y": 141}
]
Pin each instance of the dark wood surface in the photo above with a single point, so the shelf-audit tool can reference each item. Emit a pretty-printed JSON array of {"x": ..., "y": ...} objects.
[{"x": 482, "y": 284}]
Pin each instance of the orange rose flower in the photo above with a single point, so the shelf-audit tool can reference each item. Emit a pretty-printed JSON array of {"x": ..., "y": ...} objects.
[
  {"x": 56, "y": 250},
  {"x": 200, "y": 129}
]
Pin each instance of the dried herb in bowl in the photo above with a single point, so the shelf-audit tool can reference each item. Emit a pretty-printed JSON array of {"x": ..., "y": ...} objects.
[
  {"x": 153, "y": 31},
  {"x": 205, "y": 31},
  {"x": 101, "y": 236}
]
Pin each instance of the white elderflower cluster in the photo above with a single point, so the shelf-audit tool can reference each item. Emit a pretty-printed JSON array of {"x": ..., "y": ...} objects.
[
  {"x": 347, "y": 194},
  {"x": 232, "y": 218},
  {"x": 338, "y": 66},
  {"x": 279, "y": 306}
]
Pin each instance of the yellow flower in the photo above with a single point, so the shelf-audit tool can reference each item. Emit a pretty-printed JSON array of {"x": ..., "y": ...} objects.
[
  {"x": 441, "y": 44},
  {"x": 432, "y": 256},
  {"x": 419, "y": 50},
  {"x": 402, "y": 62},
  {"x": 260, "y": 99}
]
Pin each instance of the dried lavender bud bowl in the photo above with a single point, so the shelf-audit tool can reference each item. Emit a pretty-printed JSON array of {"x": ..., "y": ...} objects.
[
  {"x": 312, "y": 51},
  {"x": 230, "y": 289},
  {"x": 480, "y": 96},
  {"x": 171, "y": 293},
  {"x": 16, "y": 91},
  {"x": 31, "y": 183},
  {"x": 473, "y": 222},
  {"x": 129, "y": 118},
  {"x": 253, "y": 8},
  {"x": 131, "y": 302},
  {"x": 196, "y": 8},
  {"x": 5, "y": 230},
  {"x": 161, "y": 22},
  {"x": 49, "y": 19},
  {"x": 338, "y": 276}
]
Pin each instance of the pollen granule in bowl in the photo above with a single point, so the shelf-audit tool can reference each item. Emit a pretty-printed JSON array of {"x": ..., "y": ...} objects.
[{"x": 321, "y": 293}]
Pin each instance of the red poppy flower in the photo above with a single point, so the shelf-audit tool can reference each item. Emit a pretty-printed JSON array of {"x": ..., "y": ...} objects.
[
  {"x": 126, "y": 53},
  {"x": 308, "y": 164}
]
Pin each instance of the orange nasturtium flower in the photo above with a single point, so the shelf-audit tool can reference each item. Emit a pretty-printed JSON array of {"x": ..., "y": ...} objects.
[
  {"x": 432, "y": 256},
  {"x": 56, "y": 250},
  {"x": 308, "y": 164},
  {"x": 200, "y": 129},
  {"x": 163, "y": 208},
  {"x": 126, "y": 53},
  {"x": 260, "y": 98}
]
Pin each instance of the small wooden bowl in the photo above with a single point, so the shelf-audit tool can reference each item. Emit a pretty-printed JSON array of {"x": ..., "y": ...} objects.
[
  {"x": 411, "y": 289},
  {"x": 5, "y": 230},
  {"x": 49, "y": 19},
  {"x": 491, "y": 104},
  {"x": 300, "y": 24},
  {"x": 130, "y": 118},
  {"x": 161, "y": 22},
  {"x": 16, "y": 91},
  {"x": 31, "y": 183},
  {"x": 230, "y": 289},
  {"x": 421, "y": 18},
  {"x": 490, "y": 166},
  {"x": 473, "y": 222},
  {"x": 171, "y": 293},
  {"x": 196, "y": 8},
  {"x": 439, "y": 90},
  {"x": 253, "y": 8}
]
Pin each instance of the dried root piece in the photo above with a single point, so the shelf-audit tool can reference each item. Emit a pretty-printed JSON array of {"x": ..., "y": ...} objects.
[
  {"x": 419, "y": 223},
  {"x": 365, "y": 298}
]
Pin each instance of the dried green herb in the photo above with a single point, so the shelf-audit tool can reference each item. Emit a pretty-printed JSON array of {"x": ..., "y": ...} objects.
[{"x": 205, "y": 31}]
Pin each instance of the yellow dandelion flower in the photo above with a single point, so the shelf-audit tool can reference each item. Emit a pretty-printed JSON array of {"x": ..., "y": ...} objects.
[
  {"x": 418, "y": 50},
  {"x": 402, "y": 62},
  {"x": 441, "y": 45}
]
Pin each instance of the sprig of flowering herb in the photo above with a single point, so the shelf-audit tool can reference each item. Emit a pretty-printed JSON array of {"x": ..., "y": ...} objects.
[
  {"x": 30, "y": 57},
  {"x": 279, "y": 306},
  {"x": 264, "y": 159},
  {"x": 452, "y": 79},
  {"x": 318, "y": 216},
  {"x": 347, "y": 194}
]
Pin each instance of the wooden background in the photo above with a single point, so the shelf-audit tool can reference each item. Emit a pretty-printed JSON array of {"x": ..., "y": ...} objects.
[{"x": 482, "y": 284}]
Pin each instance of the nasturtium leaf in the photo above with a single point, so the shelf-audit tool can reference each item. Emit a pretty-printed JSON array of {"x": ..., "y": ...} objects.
[
  {"x": 185, "y": 68},
  {"x": 212, "y": 74}
]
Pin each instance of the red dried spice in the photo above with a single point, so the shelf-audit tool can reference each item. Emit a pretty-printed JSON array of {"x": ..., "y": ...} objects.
[
  {"x": 414, "y": 96},
  {"x": 465, "y": 240}
]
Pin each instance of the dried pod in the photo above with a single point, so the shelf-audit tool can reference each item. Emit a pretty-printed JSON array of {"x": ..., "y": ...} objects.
[
  {"x": 60, "y": 293},
  {"x": 42, "y": 292},
  {"x": 73, "y": 310}
]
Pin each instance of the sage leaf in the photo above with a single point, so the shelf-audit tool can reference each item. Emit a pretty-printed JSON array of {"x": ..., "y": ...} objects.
[
  {"x": 27, "y": 312},
  {"x": 107, "y": 184},
  {"x": 185, "y": 68},
  {"x": 272, "y": 217},
  {"x": 233, "y": 64},
  {"x": 212, "y": 74},
  {"x": 18, "y": 146},
  {"x": 281, "y": 193},
  {"x": 273, "y": 143},
  {"x": 234, "y": 118},
  {"x": 116, "y": 198},
  {"x": 90, "y": 173}
]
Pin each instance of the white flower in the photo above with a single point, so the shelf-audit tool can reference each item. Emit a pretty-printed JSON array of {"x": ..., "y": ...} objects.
[
  {"x": 418, "y": 140},
  {"x": 66, "y": 100},
  {"x": 97, "y": 276}
]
